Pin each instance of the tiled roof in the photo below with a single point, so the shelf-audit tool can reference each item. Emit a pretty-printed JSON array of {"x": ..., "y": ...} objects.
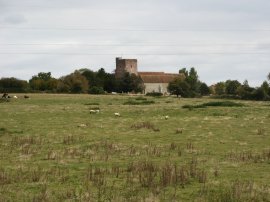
[{"x": 157, "y": 77}]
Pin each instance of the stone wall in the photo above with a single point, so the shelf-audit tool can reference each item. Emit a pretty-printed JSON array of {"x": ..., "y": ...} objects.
[{"x": 156, "y": 87}]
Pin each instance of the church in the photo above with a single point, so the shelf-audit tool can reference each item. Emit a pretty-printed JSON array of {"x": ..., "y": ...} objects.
[{"x": 153, "y": 81}]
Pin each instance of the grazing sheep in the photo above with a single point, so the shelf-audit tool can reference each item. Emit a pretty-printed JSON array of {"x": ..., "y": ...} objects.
[
  {"x": 26, "y": 97},
  {"x": 15, "y": 97},
  {"x": 116, "y": 114},
  {"x": 94, "y": 111},
  {"x": 166, "y": 117}
]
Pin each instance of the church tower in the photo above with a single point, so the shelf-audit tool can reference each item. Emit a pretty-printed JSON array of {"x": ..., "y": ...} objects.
[{"x": 125, "y": 65}]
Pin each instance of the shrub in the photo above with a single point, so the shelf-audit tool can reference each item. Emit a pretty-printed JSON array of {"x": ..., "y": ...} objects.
[
  {"x": 134, "y": 102},
  {"x": 96, "y": 90},
  {"x": 214, "y": 104},
  {"x": 140, "y": 98},
  {"x": 154, "y": 94}
]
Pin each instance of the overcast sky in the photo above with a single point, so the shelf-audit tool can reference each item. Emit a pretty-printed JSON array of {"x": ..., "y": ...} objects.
[{"x": 222, "y": 39}]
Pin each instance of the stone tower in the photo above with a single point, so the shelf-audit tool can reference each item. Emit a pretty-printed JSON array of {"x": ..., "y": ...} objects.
[{"x": 125, "y": 65}]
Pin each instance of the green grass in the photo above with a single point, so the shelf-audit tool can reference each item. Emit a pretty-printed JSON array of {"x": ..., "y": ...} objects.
[{"x": 53, "y": 149}]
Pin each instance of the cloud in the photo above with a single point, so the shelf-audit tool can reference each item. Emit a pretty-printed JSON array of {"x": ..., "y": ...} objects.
[
  {"x": 215, "y": 37},
  {"x": 15, "y": 19}
]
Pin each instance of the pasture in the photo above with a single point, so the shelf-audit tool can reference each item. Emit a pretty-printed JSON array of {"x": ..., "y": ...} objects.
[{"x": 53, "y": 149}]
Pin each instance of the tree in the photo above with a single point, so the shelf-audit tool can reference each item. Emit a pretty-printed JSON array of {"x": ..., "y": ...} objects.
[
  {"x": 260, "y": 94},
  {"x": 130, "y": 83},
  {"x": 265, "y": 86},
  {"x": 73, "y": 83},
  {"x": 13, "y": 85},
  {"x": 193, "y": 80},
  {"x": 220, "y": 88},
  {"x": 184, "y": 72},
  {"x": 110, "y": 83},
  {"x": 231, "y": 87},
  {"x": 179, "y": 87},
  {"x": 244, "y": 91},
  {"x": 204, "y": 89},
  {"x": 43, "y": 81},
  {"x": 100, "y": 80},
  {"x": 96, "y": 90}
]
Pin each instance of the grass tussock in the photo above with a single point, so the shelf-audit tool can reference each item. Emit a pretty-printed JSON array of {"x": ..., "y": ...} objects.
[
  {"x": 139, "y": 102},
  {"x": 140, "y": 98},
  {"x": 92, "y": 103},
  {"x": 214, "y": 104},
  {"x": 146, "y": 125},
  {"x": 3, "y": 131},
  {"x": 242, "y": 191}
]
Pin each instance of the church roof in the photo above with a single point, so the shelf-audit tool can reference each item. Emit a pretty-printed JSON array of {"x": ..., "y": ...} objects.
[{"x": 157, "y": 77}]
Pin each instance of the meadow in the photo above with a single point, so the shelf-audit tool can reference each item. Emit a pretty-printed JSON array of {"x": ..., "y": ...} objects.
[{"x": 53, "y": 149}]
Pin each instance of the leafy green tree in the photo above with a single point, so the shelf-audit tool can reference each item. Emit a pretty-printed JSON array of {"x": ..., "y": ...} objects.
[
  {"x": 110, "y": 83},
  {"x": 90, "y": 76},
  {"x": 73, "y": 83},
  {"x": 184, "y": 72},
  {"x": 260, "y": 94},
  {"x": 231, "y": 87},
  {"x": 204, "y": 89},
  {"x": 265, "y": 86},
  {"x": 179, "y": 87},
  {"x": 220, "y": 88},
  {"x": 244, "y": 91},
  {"x": 43, "y": 81},
  {"x": 193, "y": 80},
  {"x": 130, "y": 83},
  {"x": 13, "y": 85},
  {"x": 100, "y": 79}
]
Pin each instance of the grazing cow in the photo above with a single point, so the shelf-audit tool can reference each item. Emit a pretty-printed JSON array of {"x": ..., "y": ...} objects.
[{"x": 5, "y": 95}]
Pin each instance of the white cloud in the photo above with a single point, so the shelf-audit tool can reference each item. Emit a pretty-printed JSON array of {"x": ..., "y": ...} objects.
[{"x": 195, "y": 31}]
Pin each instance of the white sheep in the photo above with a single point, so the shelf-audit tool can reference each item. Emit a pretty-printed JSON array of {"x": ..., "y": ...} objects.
[
  {"x": 166, "y": 117},
  {"x": 15, "y": 97},
  {"x": 117, "y": 114},
  {"x": 94, "y": 111}
]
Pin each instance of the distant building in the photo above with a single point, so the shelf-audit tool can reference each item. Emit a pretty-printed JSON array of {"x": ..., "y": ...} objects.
[{"x": 153, "y": 81}]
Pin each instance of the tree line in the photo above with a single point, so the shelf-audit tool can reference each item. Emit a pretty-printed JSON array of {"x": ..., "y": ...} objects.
[
  {"x": 186, "y": 84},
  {"x": 80, "y": 81}
]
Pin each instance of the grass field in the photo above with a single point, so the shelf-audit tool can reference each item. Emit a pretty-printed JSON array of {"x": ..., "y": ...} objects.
[{"x": 53, "y": 149}]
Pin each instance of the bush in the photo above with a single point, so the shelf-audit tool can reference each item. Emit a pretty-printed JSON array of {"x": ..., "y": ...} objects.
[
  {"x": 134, "y": 102},
  {"x": 96, "y": 90},
  {"x": 154, "y": 94},
  {"x": 140, "y": 98},
  {"x": 214, "y": 104}
]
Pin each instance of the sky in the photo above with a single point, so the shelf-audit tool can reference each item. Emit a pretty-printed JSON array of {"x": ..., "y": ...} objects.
[{"x": 222, "y": 39}]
